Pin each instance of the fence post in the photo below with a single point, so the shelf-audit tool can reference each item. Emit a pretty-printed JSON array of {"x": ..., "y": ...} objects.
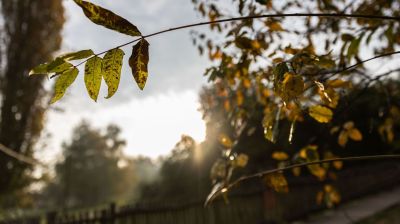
[
  {"x": 112, "y": 213},
  {"x": 51, "y": 217}
]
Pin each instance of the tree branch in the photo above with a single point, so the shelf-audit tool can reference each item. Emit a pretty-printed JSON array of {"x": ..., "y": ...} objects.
[
  {"x": 266, "y": 172},
  {"x": 19, "y": 156},
  {"x": 328, "y": 15},
  {"x": 351, "y": 67}
]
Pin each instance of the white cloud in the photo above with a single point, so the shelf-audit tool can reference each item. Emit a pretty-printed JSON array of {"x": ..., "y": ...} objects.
[{"x": 152, "y": 120}]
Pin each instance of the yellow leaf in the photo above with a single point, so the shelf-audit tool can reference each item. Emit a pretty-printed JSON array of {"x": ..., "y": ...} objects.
[
  {"x": 338, "y": 165},
  {"x": 348, "y": 125},
  {"x": 93, "y": 76},
  {"x": 274, "y": 25},
  {"x": 239, "y": 98},
  {"x": 320, "y": 113},
  {"x": 112, "y": 64},
  {"x": 241, "y": 160},
  {"x": 343, "y": 137},
  {"x": 332, "y": 196},
  {"x": 77, "y": 55},
  {"x": 355, "y": 134},
  {"x": 138, "y": 62},
  {"x": 64, "y": 80},
  {"x": 225, "y": 141},
  {"x": 108, "y": 19},
  {"x": 280, "y": 156},
  {"x": 334, "y": 130},
  {"x": 338, "y": 83},
  {"x": 278, "y": 182},
  {"x": 292, "y": 86},
  {"x": 321, "y": 90},
  {"x": 39, "y": 70},
  {"x": 227, "y": 105},
  {"x": 247, "y": 83},
  {"x": 317, "y": 171},
  {"x": 59, "y": 65}
]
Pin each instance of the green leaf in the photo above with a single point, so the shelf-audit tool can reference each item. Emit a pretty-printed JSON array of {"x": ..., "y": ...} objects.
[
  {"x": 321, "y": 114},
  {"x": 138, "y": 62},
  {"x": 64, "y": 80},
  {"x": 354, "y": 47},
  {"x": 108, "y": 19},
  {"x": 93, "y": 76},
  {"x": 77, "y": 55},
  {"x": 59, "y": 65},
  {"x": 39, "y": 70},
  {"x": 112, "y": 64}
]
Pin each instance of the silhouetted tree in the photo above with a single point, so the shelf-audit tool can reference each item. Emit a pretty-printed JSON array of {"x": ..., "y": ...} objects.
[{"x": 29, "y": 35}]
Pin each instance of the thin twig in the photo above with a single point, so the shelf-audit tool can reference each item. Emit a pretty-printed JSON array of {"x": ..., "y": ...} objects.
[
  {"x": 330, "y": 15},
  {"x": 266, "y": 172},
  {"x": 19, "y": 156},
  {"x": 351, "y": 67}
]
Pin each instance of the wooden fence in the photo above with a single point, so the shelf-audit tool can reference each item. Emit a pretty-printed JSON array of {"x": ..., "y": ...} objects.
[
  {"x": 251, "y": 208},
  {"x": 240, "y": 210}
]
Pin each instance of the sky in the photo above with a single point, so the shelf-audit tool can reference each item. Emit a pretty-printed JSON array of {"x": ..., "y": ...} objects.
[{"x": 153, "y": 120}]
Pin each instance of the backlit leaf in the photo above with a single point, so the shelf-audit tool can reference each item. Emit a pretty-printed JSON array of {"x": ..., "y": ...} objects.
[
  {"x": 93, "y": 75},
  {"x": 112, "y": 64},
  {"x": 320, "y": 113},
  {"x": 280, "y": 156},
  {"x": 39, "y": 70},
  {"x": 64, "y": 80},
  {"x": 77, "y": 55},
  {"x": 292, "y": 86},
  {"x": 321, "y": 90},
  {"x": 343, "y": 137},
  {"x": 138, "y": 62},
  {"x": 355, "y": 134},
  {"x": 338, "y": 83},
  {"x": 59, "y": 65},
  {"x": 278, "y": 182},
  {"x": 241, "y": 160},
  {"x": 108, "y": 19},
  {"x": 225, "y": 141}
]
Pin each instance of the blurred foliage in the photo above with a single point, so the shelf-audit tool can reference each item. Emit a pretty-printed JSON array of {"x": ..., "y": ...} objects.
[
  {"x": 279, "y": 77},
  {"x": 30, "y": 33},
  {"x": 94, "y": 171}
]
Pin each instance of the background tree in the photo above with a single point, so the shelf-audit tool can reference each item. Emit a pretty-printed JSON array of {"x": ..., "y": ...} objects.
[
  {"x": 93, "y": 170},
  {"x": 30, "y": 33}
]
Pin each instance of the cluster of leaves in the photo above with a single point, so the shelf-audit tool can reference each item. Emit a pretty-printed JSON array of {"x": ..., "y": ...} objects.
[
  {"x": 256, "y": 69},
  {"x": 97, "y": 68}
]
